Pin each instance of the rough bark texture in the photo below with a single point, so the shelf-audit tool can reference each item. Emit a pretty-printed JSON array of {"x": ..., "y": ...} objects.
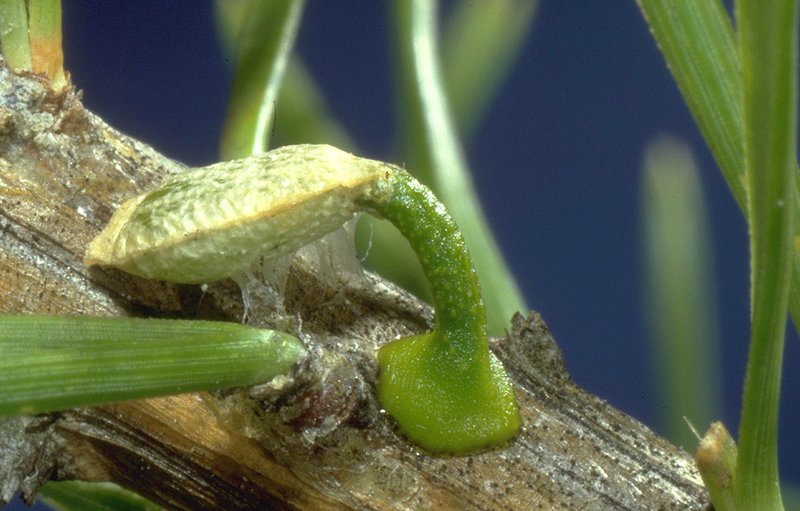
[{"x": 319, "y": 442}]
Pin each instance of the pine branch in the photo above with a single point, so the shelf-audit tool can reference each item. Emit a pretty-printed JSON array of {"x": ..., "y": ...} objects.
[{"x": 319, "y": 442}]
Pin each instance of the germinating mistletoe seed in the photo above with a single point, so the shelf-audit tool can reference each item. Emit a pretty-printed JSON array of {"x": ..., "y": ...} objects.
[{"x": 444, "y": 389}]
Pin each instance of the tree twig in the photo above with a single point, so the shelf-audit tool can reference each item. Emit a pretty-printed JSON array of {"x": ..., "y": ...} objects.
[{"x": 320, "y": 441}]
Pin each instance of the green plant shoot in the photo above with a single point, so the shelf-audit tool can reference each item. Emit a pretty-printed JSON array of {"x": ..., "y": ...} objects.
[{"x": 444, "y": 388}]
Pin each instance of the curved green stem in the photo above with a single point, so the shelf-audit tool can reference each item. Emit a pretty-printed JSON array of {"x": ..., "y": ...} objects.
[
  {"x": 416, "y": 212},
  {"x": 446, "y": 391},
  {"x": 436, "y": 155}
]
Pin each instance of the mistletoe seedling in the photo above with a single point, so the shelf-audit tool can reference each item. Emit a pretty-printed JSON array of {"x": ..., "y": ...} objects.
[{"x": 445, "y": 389}]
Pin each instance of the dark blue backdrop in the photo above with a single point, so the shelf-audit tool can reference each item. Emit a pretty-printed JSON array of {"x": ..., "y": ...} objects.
[{"x": 557, "y": 161}]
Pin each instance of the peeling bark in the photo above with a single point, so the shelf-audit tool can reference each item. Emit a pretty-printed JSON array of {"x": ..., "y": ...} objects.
[{"x": 318, "y": 442}]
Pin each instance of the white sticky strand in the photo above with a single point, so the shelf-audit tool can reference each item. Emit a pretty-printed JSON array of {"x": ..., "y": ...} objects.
[
  {"x": 245, "y": 285},
  {"x": 369, "y": 242},
  {"x": 263, "y": 286},
  {"x": 334, "y": 256},
  {"x": 302, "y": 336},
  {"x": 274, "y": 273}
]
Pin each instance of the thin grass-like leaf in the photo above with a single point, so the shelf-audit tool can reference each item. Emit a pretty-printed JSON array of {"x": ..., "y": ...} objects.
[
  {"x": 768, "y": 56},
  {"x": 435, "y": 155},
  {"x": 304, "y": 117},
  {"x": 14, "y": 38},
  {"x": 52, "y": 363},
  {"x": 263, "y": 47},
  {"x": 47, "y": 57},
  {"x": 479, "y": 45},
  {"x": 679, "y": 292},
  {"x": 83, "y": 496},
  {"x": 698, "y": 42},
  {"x": 229, "y": 16}
]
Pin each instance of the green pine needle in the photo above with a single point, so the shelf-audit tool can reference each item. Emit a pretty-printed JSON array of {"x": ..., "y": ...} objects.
[{"x": 53, "y": 363}]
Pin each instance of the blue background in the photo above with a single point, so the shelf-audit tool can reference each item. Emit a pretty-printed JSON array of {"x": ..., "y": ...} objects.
[{"x": 557, "y": 160}]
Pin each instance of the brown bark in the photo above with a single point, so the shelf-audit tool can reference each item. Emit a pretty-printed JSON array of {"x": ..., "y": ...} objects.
[{"x": 319, "y": 442}]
